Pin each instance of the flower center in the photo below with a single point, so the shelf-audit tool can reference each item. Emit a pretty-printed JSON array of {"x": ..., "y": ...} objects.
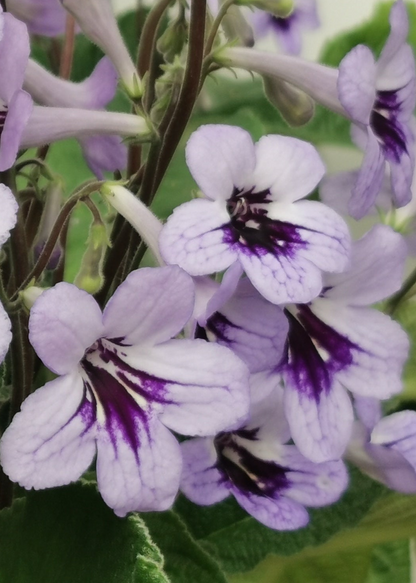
[{"x": 386, "y": 125}]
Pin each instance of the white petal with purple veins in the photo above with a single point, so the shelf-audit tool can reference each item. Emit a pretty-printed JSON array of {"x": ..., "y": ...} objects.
[
  {"x": 141, "y": 479},
  {"x": 289, "y": 167},
  {"x": 64, "y": 322},
  {"x": 150, "y": 306},
  {"x": 220, "y": 157},
  {"x": 194, "y": 239},
  {"x": 51, "y": 442}
]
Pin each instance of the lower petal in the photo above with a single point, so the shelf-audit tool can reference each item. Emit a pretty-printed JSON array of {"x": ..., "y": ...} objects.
[
  {"x": 51, "y": 442},
  {"x": 20, "y": 109},
  {"x": 104, "y": 154},
  {"x": 140, "y": 480}
]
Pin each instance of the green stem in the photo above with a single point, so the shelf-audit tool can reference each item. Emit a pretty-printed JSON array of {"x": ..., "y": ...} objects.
[
  {"x": 216, "y": 24},
  {"x": 148, "y": 38}
]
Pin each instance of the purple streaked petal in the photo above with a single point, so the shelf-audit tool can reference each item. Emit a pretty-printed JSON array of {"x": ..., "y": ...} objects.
[
  {"x": 397, "y": 77},
  {"x": 320, "y": 424},
  {"x": 64, "y": 321},
  {"x": 279, "y": 514},
  {"x": 288, "y": 167},
  {"x": 398, "y": 432},
  {"x": 202, "y": 482},
  {"x": 150, "y": 306},
  {"x": 5, "y": 333},
  {"x": 19, "y": 111},
  {"x": 313, "y": 484},
  {"x": 193, "y": 238},
  {"x": 206, "y": 385},
  {"x": 357, "y": 83},
  {"x": 51, "y": 441},
  {"x": 379, "y": 348},
  {"x": 104, "y": 154},
  {"x": 402, "y": 170},
  {"x": 282, "y": 279},
  {"x": 370, "y": 178},
  {"x": 9, "y": 208},
  {"x": 138, "y": 480},
  {"x": 14, "y": 54},
  {"x": 220, "y": 157},
  {"x": 376, "y": 271}
]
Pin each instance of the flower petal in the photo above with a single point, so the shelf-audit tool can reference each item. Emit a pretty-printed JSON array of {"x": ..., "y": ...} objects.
[
  {"x": 279, "y": 514},
  {"x": 220, "y": 157},
  {"x": 201, "y": 480},
  {"x": 9, "y": 208},
  {"x": 5, "y": 333},
  {"x": 193, "y": 238},
  {"x": 402, "y": 169},
  {"x": 51, "y": 441},
  {"x": 18, "y": 114},
  {"x": 104, "y": 154},
  {"x": 206, "y": 385},
  {"x": 398, "y": 432},
  {"x": 376, "y": 271},
  {"x": 140, "y": 480},
  {"x": 399, "y": 29},
  {"x": 64, "y": 321},
  {"x": 320, "y": 426},
  {"x": 14, "y": 55},
  {"x": 267, "y": 416},
  {"x": 357, "y": 83},
  {"x": 289, "y": 167},
  {"x": 150, "y": 306}
]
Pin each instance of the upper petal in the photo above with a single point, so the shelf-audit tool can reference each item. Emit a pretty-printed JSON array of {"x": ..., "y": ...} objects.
[
  {"x": 51, "y": 442},
  {"x": 289, "y": 167},
  {"x": 9, "y": 207},
  {"x": 357, "y": 83},
  {"x": 142, "y": 479},
  {"x": 151, "y": 306},
  {"x": 398, "y": 432},
  {"x": 14, "y": 55},
  {"x": 376, "y": 269},
  {"x": 64, "y": 321},
  {"x": 18, "y": 114},
  {"x": 104, "y": 154},
  {"x": 219, "y": 158},
  {"x": 399, "y": 29},
  {"x": 194, "y": 239}
]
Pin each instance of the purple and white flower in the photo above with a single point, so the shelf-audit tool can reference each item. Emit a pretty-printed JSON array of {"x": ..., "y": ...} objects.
[
  {"x": 338, "y": 342},
  {"x": 251, "y": 213},
  {"x": 44, "y": 17},
  {"x": 287, "y": 31},
  {"x": 122, "y": 384},
  {"x": 272, "y": 481},
  {"x": 385, "y": 449}
]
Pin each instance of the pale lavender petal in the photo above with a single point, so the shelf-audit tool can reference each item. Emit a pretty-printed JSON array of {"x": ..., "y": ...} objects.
[
  {"x": 251, "y": 327},
  {"x": 320, "y": 424},
  {"x": 267, "y": 415},
  {"x": 225, "y": 290},
  {"x": 5, "y": 333},
  {"x": 221, "y": 157},
  {"x": 357, "y": 83},
  {"x": 51, "y": 441},
  {"x": 14, "y": 54},
  {"x": 376, "y": 271},
  {"x": 402, "y": 170},
  {"x": 378, "y": 345},
  {"x": 289, "y": 167},
  {"x": 151, "y": 306},
  {"x": 19, "y": 112},
  {"x": 43, "y": 17},
  {"x": 279, "y": 514},
  {"x": 368, "y": 410},
  {"x": 399, "y": 28},
  {"x": 206, "y": 385},
  {"x": 370, "y": 178},
  {"x": 193, "y": 238},
  {"x": 104, "y": 154},
  {"x": 9, "y": 208},
  {"x": 143, "y": 476},
  {"x": 398, "y": 432},
  {"x": 398, "y": 75},
  {"x": 313, "y": 484},
  {"x": 64, "y": 321},
  {"x": 202, "y": 482}
]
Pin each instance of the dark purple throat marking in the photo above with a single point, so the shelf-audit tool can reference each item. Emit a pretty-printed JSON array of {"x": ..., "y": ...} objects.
[{"x": 386, "y": 126}]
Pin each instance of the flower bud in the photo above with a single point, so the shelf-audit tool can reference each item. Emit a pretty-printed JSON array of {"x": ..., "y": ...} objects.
[
  {"x": 90, "y": 276},
  {"x": 295, "y": 106}
]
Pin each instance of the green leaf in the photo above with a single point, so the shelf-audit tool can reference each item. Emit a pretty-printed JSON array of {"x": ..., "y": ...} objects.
[
  {"x": 406, "y": 316},
  {"x": 184, "y": 560},
  {"x": 238, "y": 542},
  {"x": 68, "y": 535},
  {"x": 390, "y": 562}
]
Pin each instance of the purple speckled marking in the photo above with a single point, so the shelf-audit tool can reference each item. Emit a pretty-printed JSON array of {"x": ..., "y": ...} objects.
[
  {"x": 218, "y": 324},
  {"x": 386, "y": 125},
  {"x": 309, "y": 372},
  {"x": 252, "y": 231},
  {"x": 3, "y": 115},
  {"x": 252, "y": 475},
  {"x": 283, "y": 24}
]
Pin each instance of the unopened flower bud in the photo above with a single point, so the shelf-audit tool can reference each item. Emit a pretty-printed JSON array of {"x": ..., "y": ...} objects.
[
  {"x": 53, "y": 202},
  {"x": 90, "y": 277},
  {"x": 173, "y": 39},
  {"x": 30, "y": 295},
  {"x": 236, "y": 27},
  {"x": 295, "y": 106}
]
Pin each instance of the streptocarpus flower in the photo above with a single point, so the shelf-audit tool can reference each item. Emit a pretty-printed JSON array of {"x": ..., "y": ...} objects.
[
  {"x": 272, "y": 481},
  {"x": 252, "y": 214},
  {"x": 101, "y": 152},
  {"x": 378, "y": 97},
  {"x": 8, "y": 211},
  {"x": 122, "y": 384},
  {"x": 287, "y": 31},
  {"x": 44, "y": 17},
  {"x": 338, "y": 342},
  {"x": 385, "y": 449}
]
